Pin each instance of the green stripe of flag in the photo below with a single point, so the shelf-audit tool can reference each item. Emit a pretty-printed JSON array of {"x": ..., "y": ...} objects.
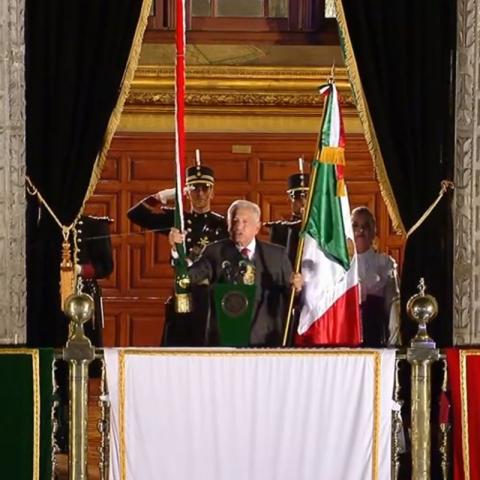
[{"x": 325, "y": 220}]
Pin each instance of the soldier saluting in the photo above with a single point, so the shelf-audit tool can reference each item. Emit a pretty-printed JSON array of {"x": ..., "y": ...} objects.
[
  {"x": 286, "y": 232},
  {"x": 202, "y": 227}
]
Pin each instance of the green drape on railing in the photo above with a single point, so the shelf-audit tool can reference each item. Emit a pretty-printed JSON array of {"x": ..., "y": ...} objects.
[{"x": 26, "y": 394}]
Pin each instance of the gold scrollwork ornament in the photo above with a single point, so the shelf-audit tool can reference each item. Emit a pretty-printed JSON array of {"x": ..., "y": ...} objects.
[
  {"x": 249, "y": 275},
  {"x": 183, "y": 282}
]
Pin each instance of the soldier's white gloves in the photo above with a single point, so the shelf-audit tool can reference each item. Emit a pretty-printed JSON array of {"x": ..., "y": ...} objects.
[{"x": 164, "y": 196}]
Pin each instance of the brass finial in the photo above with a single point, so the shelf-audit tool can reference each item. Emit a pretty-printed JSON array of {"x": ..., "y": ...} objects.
[
  {"x": 422, "y": 308},
  {"x": 331, "y": 78},
  {"x": 79, "y": 307}
]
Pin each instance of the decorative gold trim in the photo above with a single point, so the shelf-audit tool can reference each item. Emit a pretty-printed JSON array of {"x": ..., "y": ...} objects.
[
  {"x": 240, "y": 352},
  {"x": 104, "y": 423},
  {"x": 36, "y": 402},
  {"x": 231, "y": 99},
  {"x": 397, "y": 423},
  {"x": 206, "y": 75},
  {"x": 36, "y": 413},
  {"x": 377, "y": 356},
  {"x": 369, "y": 128},
  {"x": 464, "y": 409},
  {"x": 222, "y": 88},
  {"x": 376, "y": 415},
  {"x": 464, "y": 415},
  {"x": 444, "y": 428},
  {"x": 54, "y": 415},
  {"x": 128, "y": 76},
  {"x": 121, "y": 415}
]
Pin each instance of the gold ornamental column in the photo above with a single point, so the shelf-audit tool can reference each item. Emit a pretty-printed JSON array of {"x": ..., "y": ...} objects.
[
  {"x": 421, "y": 308},
  {"x": 78, "y": 353}
]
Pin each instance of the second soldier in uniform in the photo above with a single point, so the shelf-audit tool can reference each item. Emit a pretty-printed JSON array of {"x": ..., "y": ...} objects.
[
  {"x": 286, "y": 232},
  {"x": 202, "y": 227}
]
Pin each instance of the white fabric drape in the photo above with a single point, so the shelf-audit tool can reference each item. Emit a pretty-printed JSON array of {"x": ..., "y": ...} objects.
[{"x": 250, "y": 414}]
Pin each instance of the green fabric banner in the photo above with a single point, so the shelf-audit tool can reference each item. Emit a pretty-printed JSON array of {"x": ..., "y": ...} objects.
[{"x": 26, "y": 413}]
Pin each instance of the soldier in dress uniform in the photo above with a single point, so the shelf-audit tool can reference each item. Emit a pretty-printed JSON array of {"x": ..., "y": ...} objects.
[
  {"x": 94, "y": 261},
  {"x": 286, "y": 232},
  {"x": 202, "y": 227}
]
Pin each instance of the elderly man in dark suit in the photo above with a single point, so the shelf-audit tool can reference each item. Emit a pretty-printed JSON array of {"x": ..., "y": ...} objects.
[{"x": 273, "y": 270}]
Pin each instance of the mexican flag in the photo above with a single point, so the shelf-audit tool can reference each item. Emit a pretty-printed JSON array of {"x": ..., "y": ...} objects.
[{"x": 330, "y": 313}]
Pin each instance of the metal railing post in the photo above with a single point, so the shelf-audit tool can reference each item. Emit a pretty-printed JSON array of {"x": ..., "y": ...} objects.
[
  {"x": 421, "y": 308},
  {"x": 78, "y": 353}
]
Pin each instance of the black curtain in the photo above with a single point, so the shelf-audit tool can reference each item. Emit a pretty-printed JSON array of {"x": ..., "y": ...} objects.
[
  {"x": 76, "y": 54},
  {"x": 404, "y": 51}
]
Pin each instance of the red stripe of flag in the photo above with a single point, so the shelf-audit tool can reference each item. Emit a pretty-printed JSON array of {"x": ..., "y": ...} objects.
[{"x": 335, "y": 326}]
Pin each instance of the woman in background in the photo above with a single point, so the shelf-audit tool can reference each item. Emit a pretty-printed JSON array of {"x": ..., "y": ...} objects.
[{"x": 379, "y": 289}]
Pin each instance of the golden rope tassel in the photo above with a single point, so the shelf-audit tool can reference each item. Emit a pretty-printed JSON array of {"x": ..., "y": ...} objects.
[
  {"x": 341, "y": 189},
  {"x": 67, "y": 277},
  {"x": 332, "y": 155}
]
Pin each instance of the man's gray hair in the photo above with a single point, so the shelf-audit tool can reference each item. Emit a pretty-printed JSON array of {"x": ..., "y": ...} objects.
[{"x": 243, "y": 204}]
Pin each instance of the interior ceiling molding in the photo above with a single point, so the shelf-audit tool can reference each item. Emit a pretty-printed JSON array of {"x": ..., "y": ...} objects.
[{"x": 235, "y": 90}]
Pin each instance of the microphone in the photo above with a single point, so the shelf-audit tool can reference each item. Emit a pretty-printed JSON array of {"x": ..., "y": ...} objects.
[
  {"x": 227, "y": 270},
  {"x": 246, "y": 271},
  {"x": 242, "y": 267},
  {"x": 240, "y": 271}
]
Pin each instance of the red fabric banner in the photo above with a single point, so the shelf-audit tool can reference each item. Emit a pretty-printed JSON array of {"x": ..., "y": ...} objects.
[{"x": 464, "y": 375}]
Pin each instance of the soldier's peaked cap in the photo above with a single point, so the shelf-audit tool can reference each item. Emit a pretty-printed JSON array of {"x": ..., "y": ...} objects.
[
  {"x": 298, "y": 182},
  {"x": 200, "y": 174}
]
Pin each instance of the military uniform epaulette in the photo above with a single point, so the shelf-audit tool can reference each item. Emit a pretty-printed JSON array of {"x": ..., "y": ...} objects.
[
  {"x": 93, "y": 217},
  {"x": 205, "y": 215},
  {"x": 291, "y": 223},
  {"x": 217, "y": 215},
  {"x": 272, "y": 223},
  {"x": 285, "y": 223}
]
